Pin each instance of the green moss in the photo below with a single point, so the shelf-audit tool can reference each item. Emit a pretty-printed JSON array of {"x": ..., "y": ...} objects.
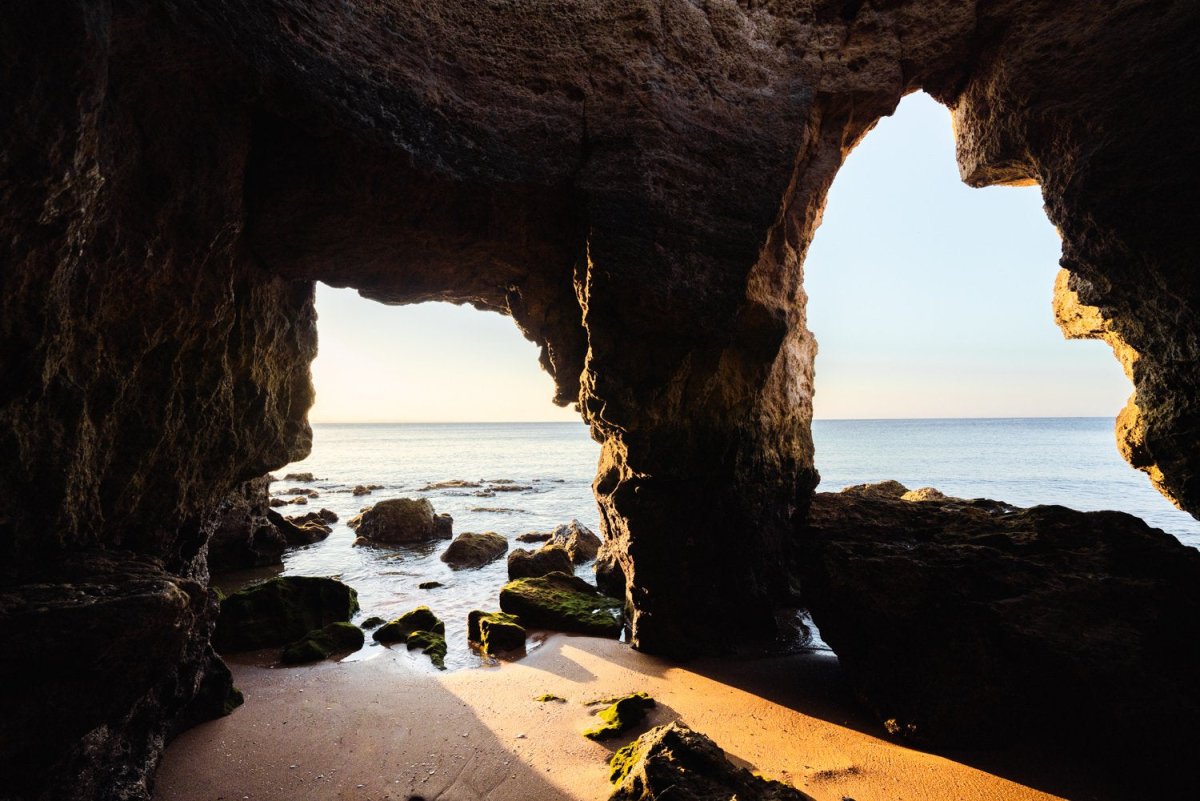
[
  {"x": 323, "y": 643},
  {"x": 280, "y": 611},
  {"x": 233, "y": 699},
  {"x": 420, "y": 619},
  {"x": 621, "y": 716},
  {"x": 432, "y": 644},
  {"x": 623, "y": 761},
  {"x": 373, "y": 622},
  {"x": 548, "y": 697},
  {"x": 561, "y": 602},
  {"x": 495, "y": 631}
]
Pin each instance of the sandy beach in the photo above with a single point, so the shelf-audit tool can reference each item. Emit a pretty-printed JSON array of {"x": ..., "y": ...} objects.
[{"x": 393, "y": 728}]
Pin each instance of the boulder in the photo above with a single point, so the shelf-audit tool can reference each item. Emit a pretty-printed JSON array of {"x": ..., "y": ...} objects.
[
  {"x": 620, "y": 716},
  {"x": 373, "y": 622},
  {"x": 299, "y": 477},
  {"x": 431, "y": 643},
  {"x": 924, "y": 494},
  {"x": 401, "y": 520},
  {"x": 474, "y": 550},
  {"x": 280, "y": 611},
  {"x": 397, "y": 630},
  {"x": 971, "y": 624},
  {"x": 495, "y": 632},
  {"x": 674, "y": 762},
  {"x": 323, "y": 643},
  {"x": 523, "y": 563},
  {"x": 299, "y": 500},
  {"x": 301, "y": 529},
  {"x": 534, "y": 536},
  {"x": 243, "y": 535},
  {"x": 308, "y": 493},
  {"x": 562, "y": 602},
  {"x": 610, "y": 576},
  {"x": 429, "y": 585},
  {"x": 579, "y": 540}
]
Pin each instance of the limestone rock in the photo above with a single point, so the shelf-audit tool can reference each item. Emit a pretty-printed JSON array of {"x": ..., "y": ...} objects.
[
  {"x": 674, "y": 762},
  {"x": 579, "y": 540},
  {"x": 474, "y": 550},
  {"x": 401, "y": 520},
  {"x": 280, "y": 611},
  {"x": 552, "y": 558},
  {"x": 496, "y": 632},
  {"x": 562, "y": 602},
  {"x": 340, "y": 637},
  {"x": 243, "y": 536},
  {"x": 923, "y": 494},
  {"x": 965, "y": 625}
]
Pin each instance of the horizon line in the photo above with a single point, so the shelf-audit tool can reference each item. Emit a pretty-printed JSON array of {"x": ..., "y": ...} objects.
[{"x": 815, "y": 420}]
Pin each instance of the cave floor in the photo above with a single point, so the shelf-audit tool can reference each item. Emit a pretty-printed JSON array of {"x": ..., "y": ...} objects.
[{"x": 394, "y": 728}]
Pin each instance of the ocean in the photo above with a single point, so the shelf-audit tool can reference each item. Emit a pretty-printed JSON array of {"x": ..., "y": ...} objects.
[{"x": 1027, "y": 461}]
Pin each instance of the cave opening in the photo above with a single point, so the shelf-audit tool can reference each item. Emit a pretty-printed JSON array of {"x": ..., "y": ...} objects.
[
  {"x": 438, "y": 402},
  {"x": 940, "y": 363}
]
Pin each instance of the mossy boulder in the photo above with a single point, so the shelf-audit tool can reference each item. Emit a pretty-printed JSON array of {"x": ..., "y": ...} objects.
[
  {"x": 620, "y": 716},
  {"x": 281, "y": 611},
  {"x": 400, "y": 521},
  {"x": 432, "y": 644},
  {"x": 673, "y": 761},
  {"x": 495, "y": 632},
  {"x": 474, "y": 550},
  {"x": 562, "y": 602},
  {"x": 524, "y": 563},
  {"x": 323, "y": 643},
  {"x": 420, "y": 619},
  {"x": 579, "y": 540}
]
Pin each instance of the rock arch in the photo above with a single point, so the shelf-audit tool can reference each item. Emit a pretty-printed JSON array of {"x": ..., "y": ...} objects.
[{"x": 635, "y": 182}]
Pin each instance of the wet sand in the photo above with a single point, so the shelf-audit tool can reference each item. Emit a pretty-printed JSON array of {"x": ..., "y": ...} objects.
[{"x": 394, "y": 728}]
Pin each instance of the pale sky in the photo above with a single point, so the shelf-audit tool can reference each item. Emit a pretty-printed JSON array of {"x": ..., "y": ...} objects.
[{"x": 928, "y": 299}]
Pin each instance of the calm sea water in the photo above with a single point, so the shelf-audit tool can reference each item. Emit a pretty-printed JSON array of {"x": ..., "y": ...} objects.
[{"x": 1071, "y": 461}]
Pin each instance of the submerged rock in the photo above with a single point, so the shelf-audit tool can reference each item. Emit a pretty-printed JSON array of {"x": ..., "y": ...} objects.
[
  {"x": 621, "y": 715},
  {"x": 420, "y": 619},
  {"x": 324, "y": 642},
  {"x": 308, "y": 493},
  {"x": 579, "y": 540},
  {"x": 456, "y": 483},
  {"x": 431, "y": 643},
  {"x": 281, "y": 610},
  {"x": 524, "y": 563},
  {"x": 401, "y": 520},
  {"x": 299, "y": 477},
  {"x": 429, "y": 585},
  {"x": 365, "y": 489},
  {"x": 474, "y": 550},
  {"x": 534, "y": 536},
  {"x": 373, "y": 622},
  {"x": 674, "y": 762},
  {"x": 967, "y": 623},
  {"x": 495, "y": 632},
  {"x": 562, "y": 602}
]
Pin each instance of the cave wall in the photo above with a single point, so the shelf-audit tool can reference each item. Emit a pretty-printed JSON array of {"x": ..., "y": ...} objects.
[{"x": 635, "y": 182}]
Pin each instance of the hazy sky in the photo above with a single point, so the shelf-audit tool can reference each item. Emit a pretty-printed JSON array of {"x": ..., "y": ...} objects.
[{"x": 929, "y": 299}]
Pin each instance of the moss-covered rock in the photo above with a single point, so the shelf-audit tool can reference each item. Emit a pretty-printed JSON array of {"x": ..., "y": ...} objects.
[
  {"x": 622, "y": 715},
  {"x": 420, "y": 619},
  {"x": 323, "y": 643},
  {"x": 548, "y": 559},
  {"x": 495, "y": 631},
  {"x": 561, "y": 602},
  {"x": 673, "y": 761},
  {"x": 373, "y": 622},
  {"x": 432, "y": 644},
  {"x": 474, "y": 550},
  {"x": 280, "y": 611},
  {"x": 546, "y": 698}
]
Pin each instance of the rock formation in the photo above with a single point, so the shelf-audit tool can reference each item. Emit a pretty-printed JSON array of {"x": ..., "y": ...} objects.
[
  {"x": 971, "y": 623},
  {"x": 397, "y": 521},
  {"x": 635, "y": 183}
]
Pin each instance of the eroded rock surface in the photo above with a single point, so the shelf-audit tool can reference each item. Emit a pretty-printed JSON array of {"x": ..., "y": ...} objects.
[
  {"x": 397, "y": 521},
  {"x": 970, "y": 625},
  {"x": 635, "y": 183}
]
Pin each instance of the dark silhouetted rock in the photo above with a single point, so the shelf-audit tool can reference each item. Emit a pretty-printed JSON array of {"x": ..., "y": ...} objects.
[
  {"x": 610, "y": 576},
  {"x": 401, "y": 520},
  {"x": 280, "y": 611},
  {"x": 964, "y": 625},
  {"x": 373, "y": 622},
  {"x": 674, "y": 762},
  {"x": 579, "y": 540},
  {"x": 562, "y": 602},
  {"x": 301, "y": 529},
  {"x": 474, "y": 550},
  {"x": 429, "y": 585},
  {"x": 243, "y": 534},
  {"x": 535, "y": 536},
  {"x": 523, "y": 563},
  {"x": 323, "y": 643}
]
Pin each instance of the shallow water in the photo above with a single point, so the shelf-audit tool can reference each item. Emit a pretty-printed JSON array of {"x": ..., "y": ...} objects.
[{"x": 1071, "y": 461}]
